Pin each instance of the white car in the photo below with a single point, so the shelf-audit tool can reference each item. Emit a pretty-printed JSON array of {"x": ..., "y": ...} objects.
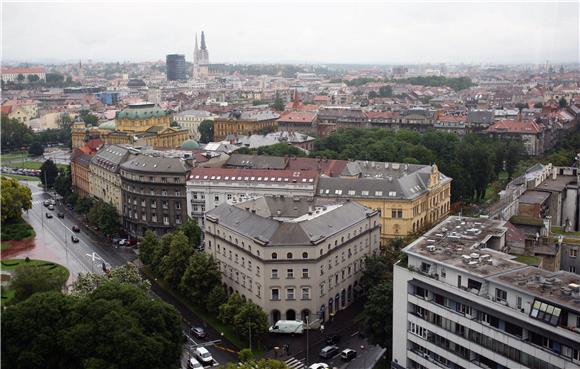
[
  {"x": 319, "y": 366},
  {"x": 194, "y": 364},
  {"x": 203, "y": 356}
]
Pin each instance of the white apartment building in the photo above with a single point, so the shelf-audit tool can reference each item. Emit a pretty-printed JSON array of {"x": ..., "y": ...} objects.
[
  {"x": 191, "y": 119},
  {"x": 460, "y": 302},
  {"x": 293, "y": 257},
  {"x": 207, "y": 188}
]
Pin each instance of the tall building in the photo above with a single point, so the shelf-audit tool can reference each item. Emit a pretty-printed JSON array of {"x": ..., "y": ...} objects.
[
  {"x": 175, "y": 64},
  {"x": 461, "y": 302},
  {"x": 200, "y": 58},
  {"x": 293, "y": 257}
]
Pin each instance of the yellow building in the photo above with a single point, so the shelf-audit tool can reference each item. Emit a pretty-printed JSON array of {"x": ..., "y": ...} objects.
[
  {"x": 105, "y": 180},
  {"x": 243, "y": 123},
  {"x": 410, "y": 197},
  {"x": 139, "y": 124}
]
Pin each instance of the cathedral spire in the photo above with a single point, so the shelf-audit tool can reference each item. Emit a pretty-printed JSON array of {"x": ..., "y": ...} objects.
[
  {"x": 202, "y": 41},
  {"x": 196, "y": 51}
]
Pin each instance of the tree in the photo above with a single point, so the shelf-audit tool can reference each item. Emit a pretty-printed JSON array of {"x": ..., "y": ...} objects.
[
  {"x": 281, "y": 149},
  {"x": 20, "y": 78},
  {"x": 260, "y": 364},
  {"x": 174, "y": 264},
  {"x": 377, "y": 316},
  {"x": 31, "y": 279},
  {"x": 201, "y": 275},
  {"x": 386, "y": 91},
  {"x": 229, "y": 310},
  {"x": 128, "y": 273},
  {"x": 89, "y": 118},
  {"x": 538, "y": 105},
  {"x": 148, "y": 246},
  {"x": 83, "y": 205},
  {"x": 513, "y": 155},
  {"x": 36, "y": 149},
  {"x": 245, "y": 355},
  {"x": 14, "y": 134},
  {"x": 105, "y": 216},
  {"x": 15, "y": 198},
  {"x": 278, "y": 104},
  {"x": 63, "y": 182},
  {"x": 48, "y": 173},
  {"x": 251, "y": 320},
  {"x": 216, "y": 298},
  {"x": 377, "y": 268},
  {"x": 373, "y": 94},
  {"x": 32, "y": 78},
  {"x": 192, "y": 231},
  {"x": 562, "y": 102},
  {"x": 206, "y": 131}
]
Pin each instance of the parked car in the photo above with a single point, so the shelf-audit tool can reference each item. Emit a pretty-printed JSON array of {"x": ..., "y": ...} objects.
[
  {"x": 288, "y": 326},
  {"x": 131, "y": 242},
  {"x": 76, "y": 229},
  {"x": 74, "y": 238},
  {"x": 198, "y": 332},
  {"x": 46, "y": 202},
  {"x": 348, "y": 354},
  {"x": 123, "y": 242},
  {"x": 60, "y": 215},
  {"x": 332, "y": 339},
  {"x": 203, "y": 355},
  {"x": 329, "y": 352},
  {"x": 194, "y": 364},
  {"x": 50, "y": 207},
  {"x": 48, "y": 215},
  {"x": 319, "y": 366}
]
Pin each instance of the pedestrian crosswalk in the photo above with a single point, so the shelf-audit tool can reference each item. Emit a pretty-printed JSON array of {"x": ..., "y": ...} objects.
[{"x": 294, "y": 363}]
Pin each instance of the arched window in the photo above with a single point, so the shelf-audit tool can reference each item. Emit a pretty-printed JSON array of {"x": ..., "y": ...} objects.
[
  {"x": 304, "y": 255},
  {"x": 274, "y": 255},
  {"x": 289, "y": 255}
]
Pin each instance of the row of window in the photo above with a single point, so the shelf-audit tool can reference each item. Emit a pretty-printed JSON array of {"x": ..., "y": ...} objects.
[
  {"x": 290, "y": 293},
  {"x": 152, "y": 191},
  {"x": 153, "y": 218},
  {"x": 150, "y": 179},
  {"x": 153, "y": 203}
]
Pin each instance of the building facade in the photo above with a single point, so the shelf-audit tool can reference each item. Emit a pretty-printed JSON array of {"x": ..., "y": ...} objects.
[
  {"x": 207, "y": 188},
  {"x": 80, "y": 172},
  {"x": 105, "y": 180},
  {"x": 290, "y": 256},
  {"x": 12, "y": 74},
  {"x": 175, "y": 67},
  {"x": 191, "y": 119},
  {"x": 461, "y": 302},
  {"x": 153, "y": 193},
  {"x": 243, "y": 123}
]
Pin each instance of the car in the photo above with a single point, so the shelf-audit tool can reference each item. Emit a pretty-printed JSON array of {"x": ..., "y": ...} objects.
[
  {"x": 198, "y": 332},
  {"x": 332, "y": 339},
  {"x": 50, "y": 207},
  {"x": 194, "y": 364},
  {"x": 319, "y": 366},
  {"x": 76, "y": 229},
  {"x": 116, "y": 240},
  {"x": 203, "y": 356},
  {"x": 329, "y": 352},
  {"x": 60, "y": 215},
  {"x": 48, "y": 215},
  {"x": 131, "y": 242},
  {"x": 348, "y": 354},
  {"x": 74, "y": 238},
  {"x": 46, "y": 202}
]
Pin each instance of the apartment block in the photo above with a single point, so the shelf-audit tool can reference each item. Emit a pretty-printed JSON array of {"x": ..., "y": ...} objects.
[{"x": 461, "y": 302}]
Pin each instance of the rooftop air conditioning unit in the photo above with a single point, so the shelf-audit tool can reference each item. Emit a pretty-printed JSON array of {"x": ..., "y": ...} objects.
[{"x": 431, "y": 248}]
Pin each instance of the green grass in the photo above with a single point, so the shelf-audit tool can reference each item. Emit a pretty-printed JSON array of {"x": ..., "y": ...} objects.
[
  {"x": 14, "y": 155},
  {"x": 560, "y": 231},
  {"x": 212, "y": 320},
  {"x": 16, "y": 230},
  {"x": 11, "y": 264},
  {"x": 528, "y": 259},
  {"x": 19, "y": 177},
  {"x": 32, "y": 165}
]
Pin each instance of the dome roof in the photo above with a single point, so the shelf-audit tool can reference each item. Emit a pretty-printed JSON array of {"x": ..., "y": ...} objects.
[
  {"x": 190, "y": 145},
  {"x": 109, "y": 125}
]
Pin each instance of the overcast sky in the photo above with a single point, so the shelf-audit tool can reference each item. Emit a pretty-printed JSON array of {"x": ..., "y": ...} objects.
[{"x": 301, "y": 32}]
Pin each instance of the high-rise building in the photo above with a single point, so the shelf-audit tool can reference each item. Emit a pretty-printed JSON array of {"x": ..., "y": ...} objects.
[
  {"x": 460, "y": 301},
  {"x": 200, "y": 58},
  {"x": 175, "y": 64}
]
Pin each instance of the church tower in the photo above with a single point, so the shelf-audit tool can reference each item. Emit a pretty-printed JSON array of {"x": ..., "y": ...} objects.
[
  {"x": 195, "y": 73},
  {"x": 203, "y": 58}
]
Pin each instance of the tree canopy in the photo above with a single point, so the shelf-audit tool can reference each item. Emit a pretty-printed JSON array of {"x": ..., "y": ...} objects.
[
  {"x": 48, "y": 173},
  {"x": 206, "y": 131},
  {"x": 31, "y": 279},
  {"x": 14, "y": 134},
  {"x": 105, "y": 216},
  {"x": 36, "y": 149},
  {"x": 15, "y": 198}
]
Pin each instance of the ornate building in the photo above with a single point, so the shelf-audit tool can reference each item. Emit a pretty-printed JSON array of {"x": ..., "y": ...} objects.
[
  {"x": 139, "y": 124},
  {"x": 244, "y": 123},
  {"x": 104, "y": 177},
  {"x": 200, "y": 59}
]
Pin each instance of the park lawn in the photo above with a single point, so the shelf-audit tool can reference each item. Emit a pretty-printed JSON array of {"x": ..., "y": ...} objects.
[
  {"x": 15, "y": 231},
  {"x": 21, "y": 178},
  {"x": 32, "y": 165},
  {"x": 11, "y": 264},
  {"x": 14, "y": 155}
]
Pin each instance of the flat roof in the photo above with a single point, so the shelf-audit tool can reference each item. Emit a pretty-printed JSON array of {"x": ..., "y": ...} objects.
[
  {"x": 557, "y": 184},
  {"x": 534, "y": 197}
]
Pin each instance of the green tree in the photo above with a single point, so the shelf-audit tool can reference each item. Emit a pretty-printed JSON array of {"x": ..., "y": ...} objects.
[
  {"x": 201, "y": 275},
  {"x": 386, "y": 91},
  {"x": 89, "y": 118},
  {"x": 250, "y": 320},
  {"x": 48, "y": 173},
  {"x": 377, "y": 316},
  {"x": 14, "y": 134},
  {"x": 260, "y": 364},
  {"x": 15, "y": 198},
  {"x": 245, "y": 355},
  {"x": 147, "y": 248},
  {"x": 20, "y": 78},
  {"x": 206, "y": 131},
  {"x": 63, "y": 182},
  {"x": 192, "y": 231},
  {"x": 377, "y": 269},
  {"x": 278, "y": 104},
  {"x": 514, "y": 152},
  {"x": 86, "y": 283},
  {"x": 216, "y": 298},
  {"x": 175, "y": 263},
  {"x": 32, "y": 78},
  {"x": 31, "y": 279},
  {"x": 160, "y": 252},
  {"x": 105, "y": 216},
  {"x": 281, "y": 149},
  {"x": 229, "y": 310},
  {"x": 36, "y": 149},
  {"x": 83, "y": 205},
  {"x": 562, "y": 102}
]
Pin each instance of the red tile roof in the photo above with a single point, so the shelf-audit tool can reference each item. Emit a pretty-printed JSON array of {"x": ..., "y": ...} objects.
[
  {"x": 515, "y": 126},
  {"x": 7, "y": 109},
  {"x": 381, "y": 114},
  {"x": 331, "y": 168},
  {"x": 252, "y": 175},
  {"x": 298, "y": 116},
  {"x": 8, "y": 70}
]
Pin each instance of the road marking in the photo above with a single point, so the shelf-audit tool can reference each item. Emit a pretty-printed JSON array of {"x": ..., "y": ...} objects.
[
  {"x": 294, "y": 363},
  {"x": 355, "y": 333}
]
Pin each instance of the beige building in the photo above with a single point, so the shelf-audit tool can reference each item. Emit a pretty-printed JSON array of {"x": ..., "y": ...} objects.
[
  {"x": 191, "y": 119},
  {"x": 105, "y": 180},
  {"x": 292, "y": 257}
]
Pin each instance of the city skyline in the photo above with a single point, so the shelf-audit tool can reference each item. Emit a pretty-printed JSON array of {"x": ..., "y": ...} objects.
[{"x": 373, "y": 33}]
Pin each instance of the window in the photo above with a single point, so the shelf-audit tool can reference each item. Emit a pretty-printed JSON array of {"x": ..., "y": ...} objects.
[
  {"x": 500, "y": 294},
  {"x": 216, "y": 198},
  {"x": 274, "y": 273},
  {"x": 274, "y": 256},
  {"x": 322, "y": 270},
  {"x": 163, "y": 179},
  {"x": 154, "y": 218},
  {"x": 304, "y": 255},
  {"x": 572, "y": 269},
  {"x": 289, "y": 255},
  {"x": 305, "y": 273},
  {"x": 519, "y": 302},
  {"x": 290, "y": 294},
  {"x": 305, "y": 293},
  {"x": 443, "y": 273},
  {"x": 573, "y": 253},
  {"x": 275, "y": 294},
  {"x": 177, "y": 193},
  {"x": 397, "y": 213},
  {"x": 177, "y": 219},
  {"x": 546, "y": 312},
  {"x": 164, "y": 204},
  {"x": 153, "y": 204},
  {"x": 151, "y": 191},
  {"x": 177, "y": 205},
  {"x": 229, "y": 196},
  {"x": 290, "y": 273},
  {"x": 165, "y": 220},
  {"x": 322, "y": 289},
  {"x": 258, "y": 290},
  {"x": 164, "y": 192}
]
